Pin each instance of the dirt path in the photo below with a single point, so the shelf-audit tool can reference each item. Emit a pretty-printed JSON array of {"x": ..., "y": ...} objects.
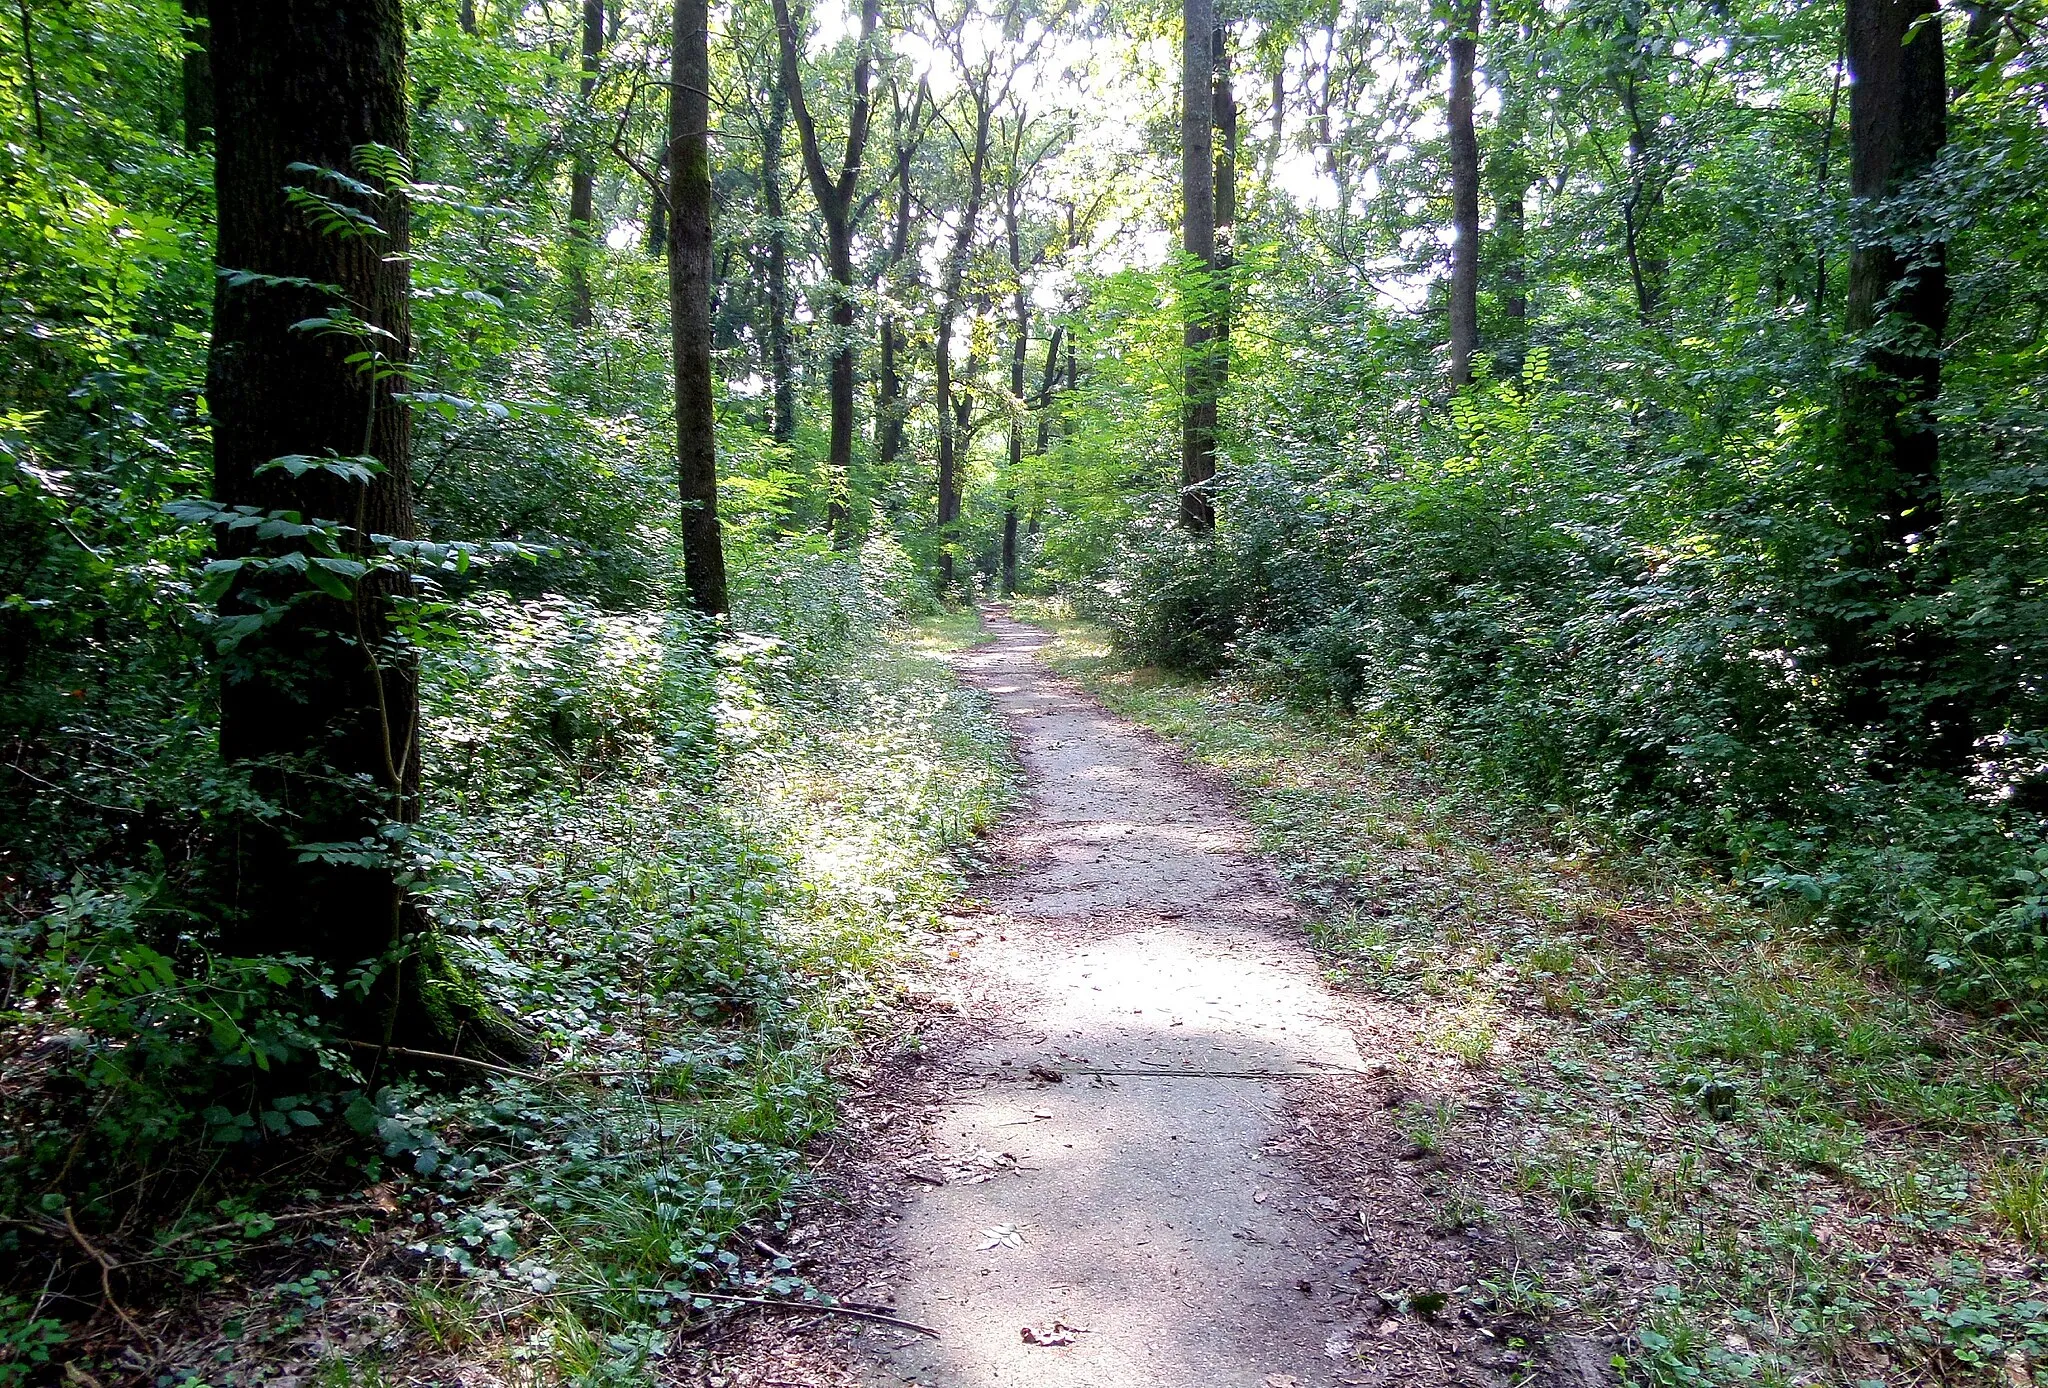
[{"x": 1146, "y": 1213}]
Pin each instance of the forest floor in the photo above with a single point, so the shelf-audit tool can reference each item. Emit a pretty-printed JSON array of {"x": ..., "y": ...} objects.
[{"x": 1265, "y": 1058}]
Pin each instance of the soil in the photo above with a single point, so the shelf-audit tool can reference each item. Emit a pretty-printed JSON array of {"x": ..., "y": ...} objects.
[{"x": 1141, "y": 1141}]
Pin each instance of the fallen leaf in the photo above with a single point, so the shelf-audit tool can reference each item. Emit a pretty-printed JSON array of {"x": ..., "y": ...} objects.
[
  {"x": 1000, "y": 1236},
  {"x": 1053, "y": 1332}
]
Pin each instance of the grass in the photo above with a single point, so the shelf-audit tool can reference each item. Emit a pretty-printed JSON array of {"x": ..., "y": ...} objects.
[{"x": 1820, "y": 1177}]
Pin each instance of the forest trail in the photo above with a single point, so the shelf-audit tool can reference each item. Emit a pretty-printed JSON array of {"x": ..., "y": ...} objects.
[{"x": 1144, "y": 1220}]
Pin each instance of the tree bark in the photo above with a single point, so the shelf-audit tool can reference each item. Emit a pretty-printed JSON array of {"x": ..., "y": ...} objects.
[
  {"x": 1464, "y": 142},
  {"x": 1198, "y": 240},
  {"x": 1279, "y": 130},
  {"x": 689, "y": 296},
  {"x": 657, "y": 198},
  {"x": 583, "y": 173},
  {"x": 1898, "y": 285},
  {"x": 1225, "y": 103},
  {"x": 781, "y": 364},
  {"x": 889, "y": 402},
  {"x": 1020, "y": 337},
  {"x": 1888, "y": 473},
  {"x": 198, "y": 74},
  {"x": 1979, "y": 55},
  {"x": 1509, "y": 170},
  {"x": 835, "y": 199},
  {"x": 465, "y": 15},
  {"x": 320, "y": 700},
  {"x": 949, "y": 308}
]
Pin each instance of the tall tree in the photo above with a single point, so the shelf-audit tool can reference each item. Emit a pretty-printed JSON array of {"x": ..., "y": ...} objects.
[
  {"x": 689, "y": 302},
  {"x": 1898, "y": 279},
  {"x": 1224, "y": 101},
  {"x": 971, "y": 138},
  {"x": 1464, "y": 142},
  {"x": 910, "y": 121},
  {"x": 320, "y": 696},
  {"x": 1508, "y": 172},
  {"x": 834, "y": 194},
  {"x": 198, "y": 74},
  {"x": 1198, "y": 240},
  {"x": 583, "y": 170},
  {"x": 775, "y": 208}
]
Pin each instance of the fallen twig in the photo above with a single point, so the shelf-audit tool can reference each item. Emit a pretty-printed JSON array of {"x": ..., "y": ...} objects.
[
  {"x": 492, "y": 1066},
  {"x": 106, "y": 1266},
  {"x": 773, "y": 1302},
  {"x": 836, "y": 1309}
]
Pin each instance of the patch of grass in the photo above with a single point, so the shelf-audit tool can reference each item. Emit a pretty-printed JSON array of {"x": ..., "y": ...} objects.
[{"x": 2017, "y": 1193}]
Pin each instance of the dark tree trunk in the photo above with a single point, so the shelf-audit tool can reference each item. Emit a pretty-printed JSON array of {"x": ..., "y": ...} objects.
[
  {"x": 1979, "y": 55},
  {"x": 1020, "y": 338},
  {"x": 657, "y": 210},
  {"x": 1464, "y": 194},
  {"x": 1898, "y": 284},
  {"x": 942, "y": 354},
  {"x": 1279, "y": 129},
  {"x": 322, "y": 702},
  {"x": 1226, "y": 202},
  {"x": 1509, "y": 170},
  {"x": 1046, "y": 384},
  {"x": 689, "y": 299},
  {"x": 583, "y": 174},
  {"x": 466, "y": 16},
  {"x": 889, "y": 405},
  {"x": 1198, "y": 240},
  {"x": 781, "y": 367},
  {"x": 198, "y": 74},
  {"x": 835, "y": 199},
  {"x": 1888, "y": 483},
  {"x": 1639, "y": 91}
]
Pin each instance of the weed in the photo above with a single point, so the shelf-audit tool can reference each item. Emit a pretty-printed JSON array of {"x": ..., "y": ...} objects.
[
  {"x": 1518, "y": 1291},
  {"x": 1569, "y": 1178},
  {"x": 2017, "y": 1193},
  {"x": 1470, "y": 1038},
  {"x": 442, "y": 1317}
]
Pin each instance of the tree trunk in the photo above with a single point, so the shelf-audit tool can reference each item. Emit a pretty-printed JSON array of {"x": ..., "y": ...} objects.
[
  {"x": 657, "y": 206},
  {"x": 1888, "y": 479},
  {"x": 1279, "y": 129},
  {"x": 1198, "y": 240},
  {"x": 1464, "y": 194},
  {"x": 1979, "y": 56},
  {"x": 1020, "y": 337},
  {"x": 781, "y": 368},
  {"x": 198, "y": 74},
  {"x": 466, "y": 16},
  {"x": 1898, "y": 285},
  {"x": 583, "y": 174},
  {"x": 942, "y": 391},
  {"x": 889, "y": 405},
  {"x": 321, "y": 702},
  {"x": 835, "y": 199},
  {"x": 689, "y": 298},
  {"x": 1225, "y": 102},
  {"x": 1509, "y": 170},
  {"x": 949, "y": 308}
]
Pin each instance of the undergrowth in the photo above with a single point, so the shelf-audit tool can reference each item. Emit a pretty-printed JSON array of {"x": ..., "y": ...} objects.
[
  {"x": 1809, "y": 1173},
  {"x": 687, "y": 861}
]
